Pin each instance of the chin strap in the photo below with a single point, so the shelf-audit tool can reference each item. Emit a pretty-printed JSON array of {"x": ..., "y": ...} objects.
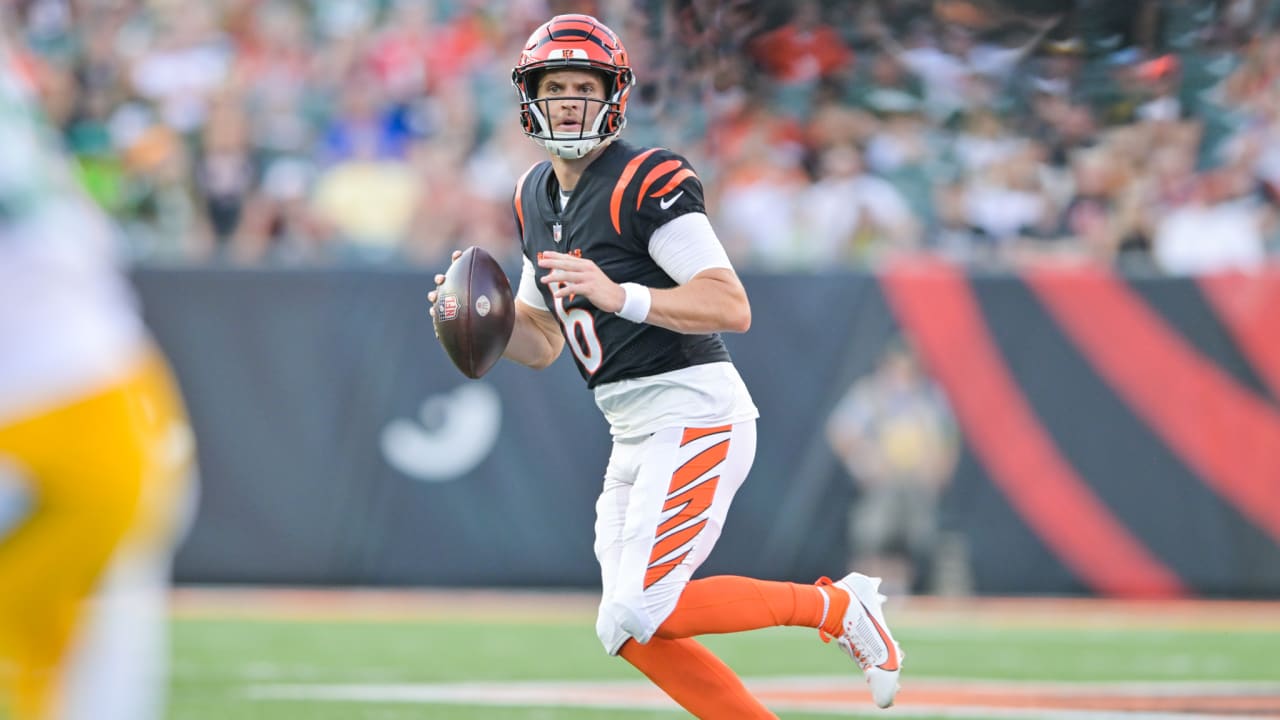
[
  {"x": 570, "y": 149},
  {"x": 574, "y": 149}
]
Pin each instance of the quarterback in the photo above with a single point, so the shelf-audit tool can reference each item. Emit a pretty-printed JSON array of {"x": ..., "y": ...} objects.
[
  {"x": 622, "y": 265},
  {"x": 95, "y": 450}
]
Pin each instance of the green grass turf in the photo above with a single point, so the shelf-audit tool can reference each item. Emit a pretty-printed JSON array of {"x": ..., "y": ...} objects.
[{"x": 216, "y": 660}]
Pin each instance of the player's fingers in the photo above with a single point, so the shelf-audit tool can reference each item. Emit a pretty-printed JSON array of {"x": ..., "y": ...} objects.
[
  {"x": 456, "y": 254},
  {"x": 439, "y": 279},
  {"x": 556, "y": 260},
  {"x": 431, "y": 296}
]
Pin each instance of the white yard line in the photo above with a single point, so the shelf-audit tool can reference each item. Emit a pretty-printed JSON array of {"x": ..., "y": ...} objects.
[
  {"x": 834, "y": 696},
  {"x": 574, "y": 605}
]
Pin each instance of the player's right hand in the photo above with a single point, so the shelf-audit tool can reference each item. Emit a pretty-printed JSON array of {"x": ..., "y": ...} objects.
[{"x": 431, "y": 296}]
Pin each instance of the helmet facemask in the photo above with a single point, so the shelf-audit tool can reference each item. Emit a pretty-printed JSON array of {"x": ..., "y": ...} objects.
[{"x": 536, "y": 113}]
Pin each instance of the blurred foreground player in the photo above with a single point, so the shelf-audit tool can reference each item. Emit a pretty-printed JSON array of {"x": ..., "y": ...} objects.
[
  {"x": 622, "y": 264},
  {"x": 95, "y": 450}
]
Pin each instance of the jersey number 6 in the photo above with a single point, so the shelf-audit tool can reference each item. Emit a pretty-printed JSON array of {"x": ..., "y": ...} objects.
[{"x": 580, "y": 330}]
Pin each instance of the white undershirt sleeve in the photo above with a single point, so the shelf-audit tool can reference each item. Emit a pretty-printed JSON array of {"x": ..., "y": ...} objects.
[
  {"x": 528, "y": 292},
  {"x": 686, "y": 246}
]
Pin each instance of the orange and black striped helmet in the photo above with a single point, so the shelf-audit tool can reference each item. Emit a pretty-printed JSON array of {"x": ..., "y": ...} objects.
[{"x": 573, "y": 42}]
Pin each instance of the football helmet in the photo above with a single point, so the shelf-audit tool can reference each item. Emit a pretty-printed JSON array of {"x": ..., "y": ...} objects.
[{"x": 573, "y": 42}]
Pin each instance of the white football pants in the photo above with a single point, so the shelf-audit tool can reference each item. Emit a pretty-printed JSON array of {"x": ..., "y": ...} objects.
[{"x": 660, "y": 513}]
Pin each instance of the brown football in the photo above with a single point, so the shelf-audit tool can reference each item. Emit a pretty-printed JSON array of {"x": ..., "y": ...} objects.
[{"x": 474, "y": 312}]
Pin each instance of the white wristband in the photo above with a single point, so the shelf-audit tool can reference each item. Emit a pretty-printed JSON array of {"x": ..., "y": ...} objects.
[{"x": 636, "y": 305}]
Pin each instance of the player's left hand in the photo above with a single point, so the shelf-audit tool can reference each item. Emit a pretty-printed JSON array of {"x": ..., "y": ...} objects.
[
  {"x": 571, "y": 276},
  {"x": 431, "y": 296}
]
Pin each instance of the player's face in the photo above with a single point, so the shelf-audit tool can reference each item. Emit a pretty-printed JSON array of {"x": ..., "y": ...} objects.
[{"x": 563, "y": 91}]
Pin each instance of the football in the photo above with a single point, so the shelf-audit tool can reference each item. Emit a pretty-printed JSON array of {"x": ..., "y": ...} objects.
[{"x": 474, "y": 312}]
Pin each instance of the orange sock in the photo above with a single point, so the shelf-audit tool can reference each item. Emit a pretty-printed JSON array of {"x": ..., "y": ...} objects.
[
  {"x": 728, "y": 603},
  {"x": 695, "y": 678}
]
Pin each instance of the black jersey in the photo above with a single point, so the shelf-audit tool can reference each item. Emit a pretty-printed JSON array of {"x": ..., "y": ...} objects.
[{"x": 623, "y": 196}]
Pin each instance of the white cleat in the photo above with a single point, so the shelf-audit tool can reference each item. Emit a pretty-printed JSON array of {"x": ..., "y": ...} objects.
[{"x": 866, "y": 638}]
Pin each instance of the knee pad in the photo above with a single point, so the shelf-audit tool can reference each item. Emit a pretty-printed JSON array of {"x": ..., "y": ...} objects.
[{"x": 619, "y": 620}]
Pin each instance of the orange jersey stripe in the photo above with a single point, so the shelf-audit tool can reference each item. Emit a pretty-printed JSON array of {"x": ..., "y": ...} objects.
[
  {"x": 671, "y": 184},
  {"x": 615, "y": 201},
  {"x": 691, "y": 434},
  {"x": 662, "y": 169},
  {"x": 520, "y": 187}
]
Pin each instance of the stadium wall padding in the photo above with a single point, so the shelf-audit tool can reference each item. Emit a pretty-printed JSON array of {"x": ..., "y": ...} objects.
[{"x": 1121, "y": 436}]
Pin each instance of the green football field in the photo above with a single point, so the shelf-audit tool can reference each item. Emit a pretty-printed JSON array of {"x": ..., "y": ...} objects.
[{"x": 333, "y": 659}]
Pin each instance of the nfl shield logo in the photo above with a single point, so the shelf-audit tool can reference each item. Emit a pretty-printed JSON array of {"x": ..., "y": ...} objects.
[
  {"x": 555, "y": 233},
  {"x": 448, "y": 307}
]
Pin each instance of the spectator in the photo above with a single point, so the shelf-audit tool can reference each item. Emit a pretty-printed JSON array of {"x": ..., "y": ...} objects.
[
  {"x": 166, "y": 220},
  {"x": 366, "y": 126},
  {"x": 274, "y": 76},
  {"x": 278, "y": 223},
  {"x": 1008, "y": 200},
  {"x": 955, "y": 68},
  {"x": 849, "y": 217},
  {"x": 369, "y": 203},
  {"x": 1092, "y": 214},
  {"x": 803, "y": 51},
  {"x": 757, "y": 204},
  {"x": 883, "y": 83},
  {"x": 187, "y": 62},
  {"x": 225, "y": 170},
  {"x": 945, "y": 99},
  {"x": 983, "y": 141},
  {"x": 1220, "y": 228},
  {"x": 953, "y": 237}
]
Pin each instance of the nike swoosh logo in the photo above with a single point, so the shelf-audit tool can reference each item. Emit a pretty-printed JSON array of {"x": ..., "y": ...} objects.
[
  {"x": 891, "y": 664},
  {"x": 668, "y": 202}
]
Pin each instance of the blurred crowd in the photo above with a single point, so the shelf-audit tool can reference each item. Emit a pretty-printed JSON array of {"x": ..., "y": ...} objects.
[{"x": 1140, "y": 134}]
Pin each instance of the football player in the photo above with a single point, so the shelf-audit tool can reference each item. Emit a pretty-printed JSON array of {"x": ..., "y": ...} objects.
[
  {"x": 95, "y": 449},
  {"x": 623, "y": 266}
]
